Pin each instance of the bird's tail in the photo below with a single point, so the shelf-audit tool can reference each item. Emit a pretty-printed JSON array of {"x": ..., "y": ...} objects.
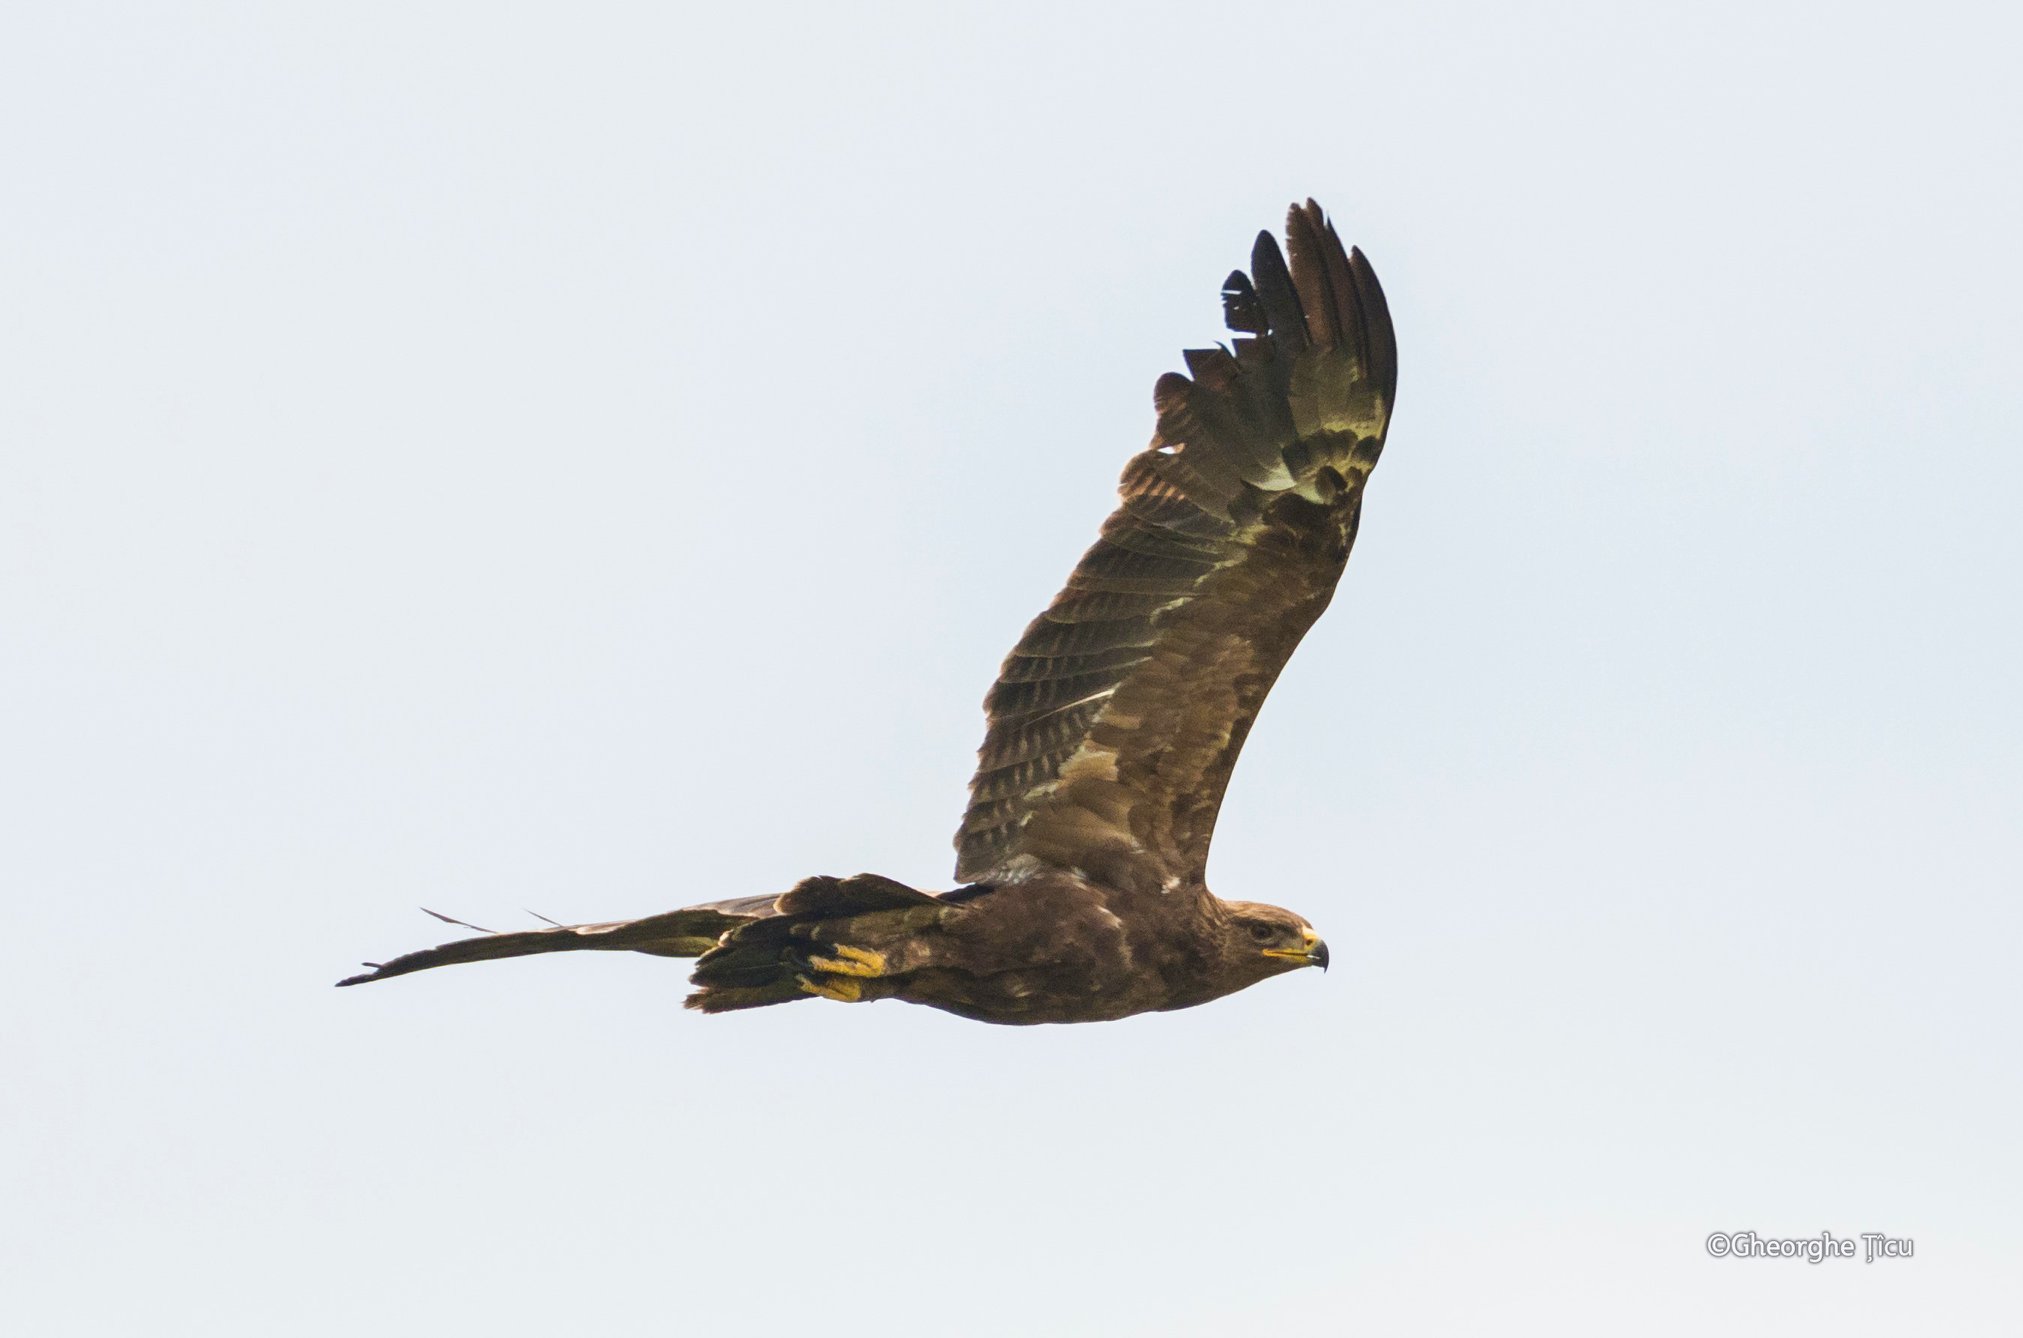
[
  {"x": 822, "y": 939},
  {"x": 689, "y": 932}
]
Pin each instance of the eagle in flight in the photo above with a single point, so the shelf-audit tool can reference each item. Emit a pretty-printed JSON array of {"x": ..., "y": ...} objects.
[{"x": 1117, "y": 717}]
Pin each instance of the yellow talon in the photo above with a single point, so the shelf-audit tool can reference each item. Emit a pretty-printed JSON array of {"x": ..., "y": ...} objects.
[
  {"x": 842, "y": 991},
  {"x": 850, "y": 961}
]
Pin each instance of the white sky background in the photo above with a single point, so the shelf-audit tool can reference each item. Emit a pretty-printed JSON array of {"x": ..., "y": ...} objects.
[{"x": 592, "y": 458}]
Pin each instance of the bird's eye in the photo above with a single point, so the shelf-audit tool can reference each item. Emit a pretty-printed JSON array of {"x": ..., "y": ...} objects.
[{"x": 1263, "y": 933}]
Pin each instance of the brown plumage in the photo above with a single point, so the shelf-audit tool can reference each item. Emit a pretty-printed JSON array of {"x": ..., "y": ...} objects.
[{"x": 1116, "y": 720}]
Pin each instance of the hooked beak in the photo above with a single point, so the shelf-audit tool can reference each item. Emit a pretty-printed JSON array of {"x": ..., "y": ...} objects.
[{"x": 1313, "y": 951}]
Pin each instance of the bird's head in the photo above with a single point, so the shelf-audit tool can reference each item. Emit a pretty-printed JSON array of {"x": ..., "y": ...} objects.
[{"x": 1261, "y": 941}]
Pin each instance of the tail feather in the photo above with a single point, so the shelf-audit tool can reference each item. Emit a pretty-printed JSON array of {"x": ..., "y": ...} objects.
[
  {"x": 753, "y": 951},
  {"x": 689, "y": 932},
  {"x": 731, "y": 999}
]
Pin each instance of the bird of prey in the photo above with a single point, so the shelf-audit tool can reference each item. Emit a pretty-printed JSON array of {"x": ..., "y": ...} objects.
[{"x": 1116, "y": 719}]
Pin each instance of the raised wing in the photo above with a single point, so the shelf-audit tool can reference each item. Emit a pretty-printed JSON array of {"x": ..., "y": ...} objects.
[{"x": 1117, "y": 718}]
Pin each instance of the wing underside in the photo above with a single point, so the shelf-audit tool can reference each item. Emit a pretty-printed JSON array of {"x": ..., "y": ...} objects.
[{"x": 1116, "y": 720}]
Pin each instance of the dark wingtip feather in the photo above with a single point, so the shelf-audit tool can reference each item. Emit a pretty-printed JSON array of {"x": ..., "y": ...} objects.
[
  {"x": 1241, "y": 311},
  {"x": 1273, "y": 282},
  {"x": 1339, "y": 280},
  {"x": 1378, "y": 337},
  {"x": 1314, "y": 252}
]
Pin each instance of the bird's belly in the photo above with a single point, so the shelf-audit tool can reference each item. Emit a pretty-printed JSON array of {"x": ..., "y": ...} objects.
[
  {"x": 1053, "y": 950},
  {"x": 1021, "y": 997}
]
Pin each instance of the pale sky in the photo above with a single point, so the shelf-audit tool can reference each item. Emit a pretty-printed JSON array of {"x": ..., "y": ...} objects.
[{"x": 591, "y": 458}]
